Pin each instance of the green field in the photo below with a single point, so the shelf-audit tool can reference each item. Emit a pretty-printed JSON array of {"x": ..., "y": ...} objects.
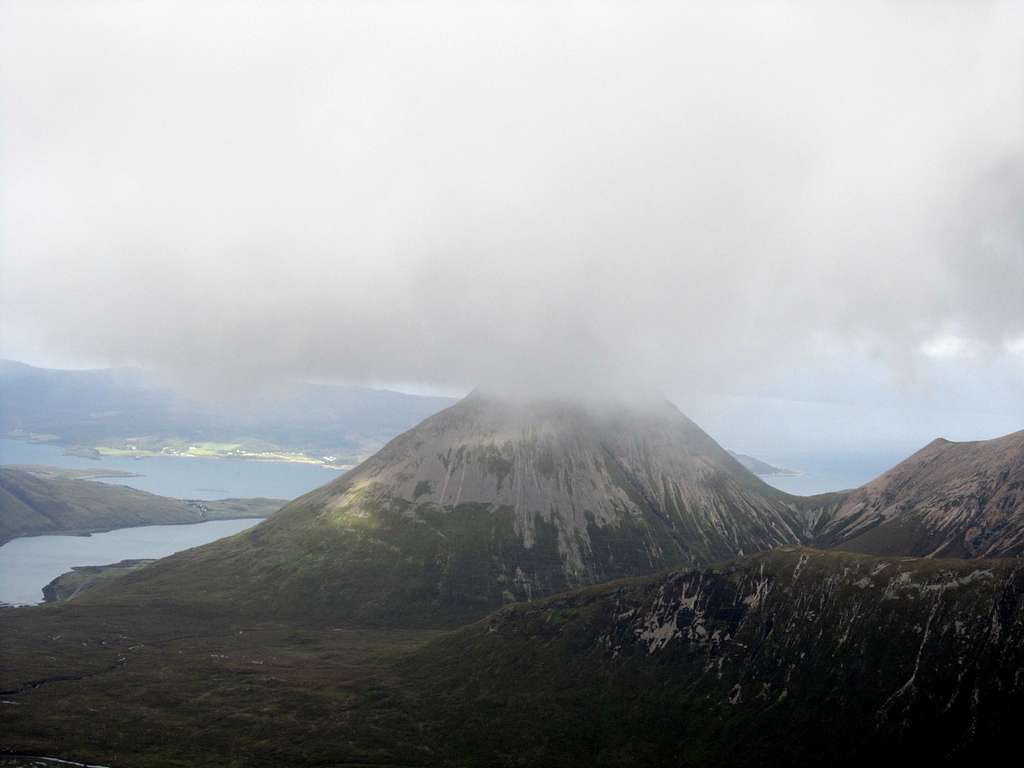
[{"x": 144, "y": 448}]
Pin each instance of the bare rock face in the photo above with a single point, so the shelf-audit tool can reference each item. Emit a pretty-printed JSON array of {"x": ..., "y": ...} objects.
[
  {"x": 580, "y": 471},
  {"x": 493, "y": 501},
  {"x": 947, "y": 500}
]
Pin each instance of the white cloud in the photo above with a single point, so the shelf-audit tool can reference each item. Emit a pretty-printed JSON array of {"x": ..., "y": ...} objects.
[
  {"x": 702, "y": 196},
  {"x": 948, "y": 347}
]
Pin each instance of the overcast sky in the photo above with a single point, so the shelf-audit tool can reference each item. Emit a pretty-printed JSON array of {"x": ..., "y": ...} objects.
[{"x": 802, "y": 221}]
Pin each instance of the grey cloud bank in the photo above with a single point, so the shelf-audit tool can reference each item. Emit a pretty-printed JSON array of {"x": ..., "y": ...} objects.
[{"x": 812, "y": 201}]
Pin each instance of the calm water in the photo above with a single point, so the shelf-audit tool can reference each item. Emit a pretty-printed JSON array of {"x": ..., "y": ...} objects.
[
  {"x": 29, "y": 564},
  {"x": 824, "y": 473},
  {"x": 184, "y": 477}
]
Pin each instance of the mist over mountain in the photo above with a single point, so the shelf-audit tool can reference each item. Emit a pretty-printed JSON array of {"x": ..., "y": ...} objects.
[
  {"x": 790, "y": 201},
  {"x": 241, "y": 230}
]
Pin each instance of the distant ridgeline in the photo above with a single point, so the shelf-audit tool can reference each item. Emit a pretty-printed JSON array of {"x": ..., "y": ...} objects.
[
  {"x": 759, "y": 467},
  {"x": 123, "y": 410}
]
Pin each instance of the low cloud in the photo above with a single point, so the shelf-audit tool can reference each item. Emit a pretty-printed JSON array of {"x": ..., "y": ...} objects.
[{"x": 765, "y": 200}]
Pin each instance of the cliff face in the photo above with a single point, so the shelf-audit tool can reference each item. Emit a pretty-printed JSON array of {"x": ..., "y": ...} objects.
[
  {"x": 947, "y": 500},
  {"x": 494, "y": 501},
  {"x": 791, "y": 657}
]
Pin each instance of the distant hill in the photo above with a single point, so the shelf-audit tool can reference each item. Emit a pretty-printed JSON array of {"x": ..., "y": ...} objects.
[
  {"x": 947, "y": 500},
  {"x": 68, "y": 473},
  {"x": 33, "y": 504},
  {"x": 759, "y": 467},
  {"x": 116, "y": 408}
]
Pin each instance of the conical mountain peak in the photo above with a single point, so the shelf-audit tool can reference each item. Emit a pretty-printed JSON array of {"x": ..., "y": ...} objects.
[{"x": 503, "y": 499}]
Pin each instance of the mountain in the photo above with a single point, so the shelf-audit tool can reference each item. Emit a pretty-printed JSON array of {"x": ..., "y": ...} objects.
[
  {"x": 351, "y": 627},
  {"x": 759, "y": 467},
  {"x": 488, "y": 502},
  {"x": 39, "y": 502},
  {"x": 117, "y": 408},
  {"x": 947, "y": 500}
]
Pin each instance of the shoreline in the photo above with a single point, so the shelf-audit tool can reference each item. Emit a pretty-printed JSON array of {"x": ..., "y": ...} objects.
[
  {"x": 120, "y": 453},
  {"x": 85, "y": 533},
  {"x": 99, "y": 452}
]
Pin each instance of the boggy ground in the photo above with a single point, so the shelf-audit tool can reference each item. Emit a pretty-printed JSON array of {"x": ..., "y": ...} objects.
[{"x": 167, "y": 687}]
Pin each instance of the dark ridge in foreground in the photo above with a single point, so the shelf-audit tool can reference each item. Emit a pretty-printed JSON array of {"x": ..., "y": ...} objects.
[{"x": 795, "y": 657}]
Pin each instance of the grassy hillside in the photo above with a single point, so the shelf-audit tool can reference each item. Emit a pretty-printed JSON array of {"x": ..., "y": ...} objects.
[{"x": 82, "y": 578}]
